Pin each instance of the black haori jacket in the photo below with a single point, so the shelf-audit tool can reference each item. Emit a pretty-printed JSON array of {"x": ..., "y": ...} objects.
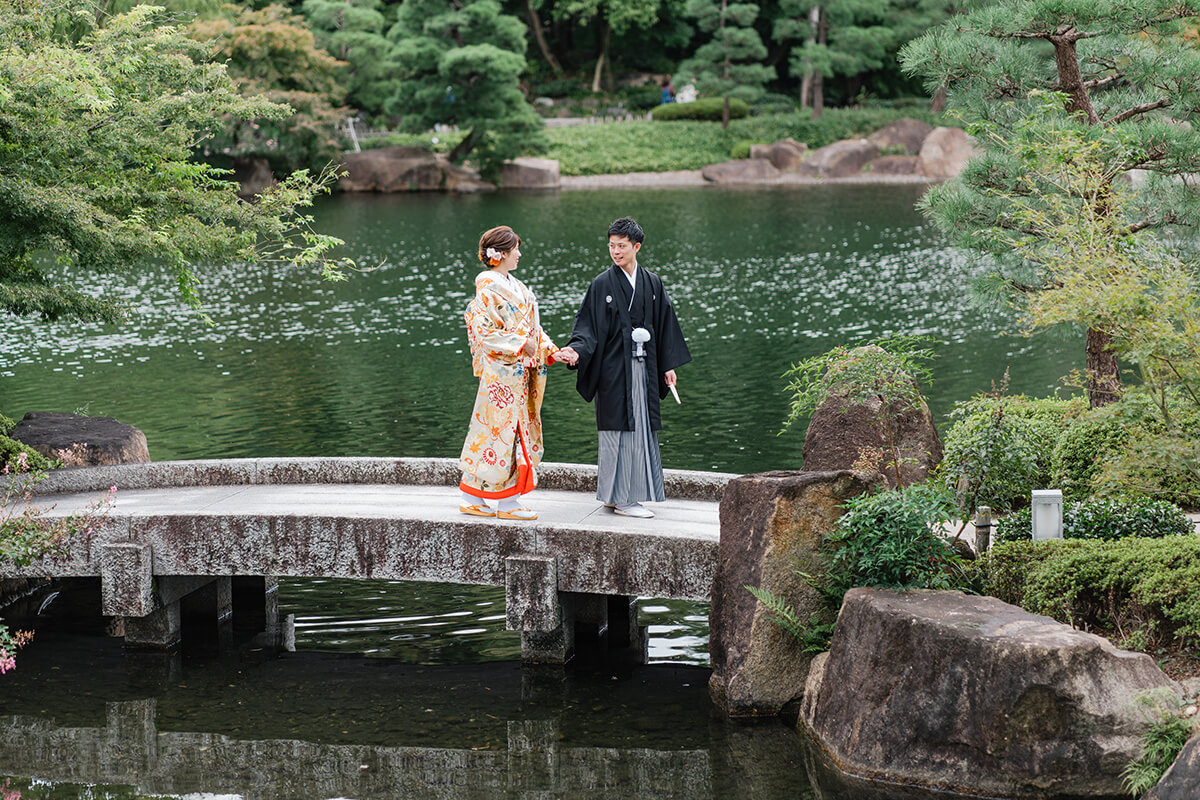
[{"x": 603, "y": 338}]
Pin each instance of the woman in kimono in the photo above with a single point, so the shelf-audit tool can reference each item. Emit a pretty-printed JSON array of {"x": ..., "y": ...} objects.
[{"x": 509, "y": 355}]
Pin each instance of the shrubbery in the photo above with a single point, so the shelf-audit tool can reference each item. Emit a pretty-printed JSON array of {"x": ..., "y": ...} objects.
[
  {"x": 709, "y": 109},
  {"x": 1080, "y": 450},
  {"x": 563, "y": 87},
  {"x": 999, "y": 448},
  {"x": 643, "y": 98},
  {"x": 1105, "y": 518},
  {"x": 1143, "y": 592}
]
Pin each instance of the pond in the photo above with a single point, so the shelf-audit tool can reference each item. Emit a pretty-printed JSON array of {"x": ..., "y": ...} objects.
[{"x": 378, "y": 366}]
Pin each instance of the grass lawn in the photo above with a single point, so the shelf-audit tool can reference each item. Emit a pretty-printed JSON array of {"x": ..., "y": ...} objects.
[{"x": 621, "y": 147}]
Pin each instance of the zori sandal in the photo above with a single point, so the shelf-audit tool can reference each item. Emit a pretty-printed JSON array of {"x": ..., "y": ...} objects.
[
  {"x": 517, "y": 513},
  {"x": 480, "y": 510}
]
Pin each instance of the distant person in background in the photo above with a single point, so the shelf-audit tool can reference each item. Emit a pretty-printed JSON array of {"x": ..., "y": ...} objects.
[
  {"x": 509, "y": 354},
  {"x": 626, "y": 345},
  {"x": 668, "y": 91}
]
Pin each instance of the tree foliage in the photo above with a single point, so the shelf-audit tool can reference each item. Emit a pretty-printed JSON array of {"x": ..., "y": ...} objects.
[
  {"x": 729, "y": 64},
  {"x": 353, "y": 31},
  {"x": 271, "y": 53},
  {"x": 461, "y": 64},
  {"x": 97, "y": 129},
  {"x": 1109, "y": 79}
]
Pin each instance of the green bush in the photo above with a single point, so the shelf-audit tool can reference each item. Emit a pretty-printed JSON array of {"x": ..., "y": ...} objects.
[
  {"x": 742, "y": 149},
  {"x": 563, "y": 87},
  {"x": 708, "y": 108},
  {"x": 1144, "y": 592},
  {"x": 444, "y": 144},
  {"x": 643, "y": 98},
  {"x": 892, "y": 540},
  {"x": 1105, "y": 518},
  {"x": 6, "y": 425},
  {"x": 773, "y": 104},
  {"x": 1080, "y": 451},
  {"x": 11, "y": 448},
  {"x": 998, "y": 448}
]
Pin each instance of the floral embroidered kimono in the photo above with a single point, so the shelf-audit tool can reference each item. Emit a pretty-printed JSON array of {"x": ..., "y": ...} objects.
[{"x": 504, "y": 442}]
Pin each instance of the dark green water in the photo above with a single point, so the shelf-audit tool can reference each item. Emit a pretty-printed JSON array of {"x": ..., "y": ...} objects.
[{"x": 378, "y": 366}]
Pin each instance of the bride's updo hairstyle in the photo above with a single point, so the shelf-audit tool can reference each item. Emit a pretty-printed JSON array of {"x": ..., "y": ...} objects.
[{"x": 499, "y": 239}]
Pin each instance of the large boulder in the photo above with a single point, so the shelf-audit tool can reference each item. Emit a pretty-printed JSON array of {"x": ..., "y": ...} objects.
[
  {"x": 530, "y": 173},
  {"x": 841, "y": 431},
  {"x": 786, "y": 155},
  {"x": 839, "y": 160},
  {"x": 1182, "y": 780},
  {"x": 406, "y": 169},
  {"x": 905, "y": 134},
  {"x": 771, "y": 526},
  {"x": 967, "y": 694},
  {"x": 945, "y": 153},
  {"x": 741, "y": 170},
  {"x": 85, "y": 441},
  {"x": 892, "y": 165},
  {"x": 253, "y": 176}
]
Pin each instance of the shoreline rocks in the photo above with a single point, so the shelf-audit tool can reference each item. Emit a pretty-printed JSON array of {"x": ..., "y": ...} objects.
[
  {"x": 91, "y": 441},
  {"x": 407, "y": 169},
  {"x": 969, "y": 694}
]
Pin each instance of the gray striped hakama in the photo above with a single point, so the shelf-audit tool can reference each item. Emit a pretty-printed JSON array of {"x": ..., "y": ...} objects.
[{"x": 630, "y": 466}]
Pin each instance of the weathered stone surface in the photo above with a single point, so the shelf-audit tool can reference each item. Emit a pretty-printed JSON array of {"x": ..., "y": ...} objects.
[
  {"x": 945, "y": 153},
  {"x": 1182, "y": 780},
  {"x": 771, "y": 526},
  {"x": 406, "y": 169},
  {"x": 531, "y": 594},
  {"x": 679, "y": 484},
  {"x": 126, "y": 579},
  {"x": 253, "y": 176},
  {"x": 530, "y": 173},
  {"x": 906, "y": 133},
  {"x": 842, "y": 159},
  {"x": 893, "y": 165},
  {"x": 108, "y": 441},
  {"x": 839, "y": 432},
  {"x": 786, "y": 155},
  {"x": 969, "y": 694},
  {"x": 741, "y": 170}
]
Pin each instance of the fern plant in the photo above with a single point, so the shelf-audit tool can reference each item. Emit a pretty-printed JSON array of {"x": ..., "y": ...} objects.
[{"x": 1161, "y": 745}]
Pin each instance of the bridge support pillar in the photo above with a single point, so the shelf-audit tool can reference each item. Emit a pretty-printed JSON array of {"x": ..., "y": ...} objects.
[{"x": 161, "y": 629}]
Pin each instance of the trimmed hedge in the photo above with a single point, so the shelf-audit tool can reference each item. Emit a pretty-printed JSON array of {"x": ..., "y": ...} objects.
[
  {"x": 709, "y": 108},
  {"x": 1144, "y": 592},
  {"x": 1080, "y": 450},
  {"x": 1105, "y": 518}
]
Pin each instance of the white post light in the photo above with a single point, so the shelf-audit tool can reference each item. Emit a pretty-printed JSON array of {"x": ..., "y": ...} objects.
[{"x": 1047, "y": 514}]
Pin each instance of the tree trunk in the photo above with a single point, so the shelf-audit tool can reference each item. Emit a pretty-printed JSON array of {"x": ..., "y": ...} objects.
[
  {"x": 725, "y": 75},
  {"x": 806, "y": 89},
  {"x": 818, "y": 84},
  {"x": 938, "y": 104},
  {"x": 463, "y": 148},
  {"x": 1103, "y": 372},
  {"x": 540, "y": 36},
  {"x": 605, "y": 31}
]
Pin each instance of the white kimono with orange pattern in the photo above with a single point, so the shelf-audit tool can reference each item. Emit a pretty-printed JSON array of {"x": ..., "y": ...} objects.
[{"x": 504, "y": 443}]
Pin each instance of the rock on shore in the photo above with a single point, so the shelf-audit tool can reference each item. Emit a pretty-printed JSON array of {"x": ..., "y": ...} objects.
[
  {"x": 969, "y": 694},
  {"x": 97, "y": 441},
  {"x": 407, "y": 169}
]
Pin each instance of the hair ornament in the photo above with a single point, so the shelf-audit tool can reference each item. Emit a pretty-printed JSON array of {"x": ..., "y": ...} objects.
[{"x": 494, "y": 257}]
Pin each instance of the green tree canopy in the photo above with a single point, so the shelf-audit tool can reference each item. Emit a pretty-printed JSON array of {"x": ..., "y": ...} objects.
[
  {"x": 729, "y": 64},
  {"x": 353, "y": 31},
  {"x": 1119, "y": 76},
  {"x": 97, "y": 131},
  {"x": 461, "y": 64},
  {"x": 271, "y": 53}
]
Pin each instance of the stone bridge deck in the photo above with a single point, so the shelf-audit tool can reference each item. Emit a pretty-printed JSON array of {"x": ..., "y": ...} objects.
[{"x": 176, "y": 526}]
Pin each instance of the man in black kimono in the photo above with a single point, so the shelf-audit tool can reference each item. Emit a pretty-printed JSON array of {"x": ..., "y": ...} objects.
[{"x": 625, "y": 347}]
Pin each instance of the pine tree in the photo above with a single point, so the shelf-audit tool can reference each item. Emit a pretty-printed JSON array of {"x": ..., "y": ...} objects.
[
  {"x": 353, "y": 31},
  {"x": 729, "y": 64},
  {"x": 460, "y": 63},
  {"x": 1122, "y": 77}
]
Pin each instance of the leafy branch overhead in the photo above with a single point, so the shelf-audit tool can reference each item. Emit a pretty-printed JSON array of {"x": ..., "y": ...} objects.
[{"x": 97, "y": 134}]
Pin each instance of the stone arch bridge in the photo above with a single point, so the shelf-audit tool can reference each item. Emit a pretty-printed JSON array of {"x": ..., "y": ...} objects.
[{"x": 189, "y": 531}]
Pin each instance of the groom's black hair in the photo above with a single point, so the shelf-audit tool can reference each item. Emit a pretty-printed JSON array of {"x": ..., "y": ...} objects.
[{"x": 627, "y": 227}]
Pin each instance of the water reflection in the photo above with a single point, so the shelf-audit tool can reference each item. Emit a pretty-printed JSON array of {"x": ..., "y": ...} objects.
[{"x": 314, "y": 726}]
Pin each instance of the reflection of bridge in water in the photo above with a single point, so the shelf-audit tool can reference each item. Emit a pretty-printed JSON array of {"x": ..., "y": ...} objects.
[
  {"x": 184, "y": 532},
  {"x": 131, "y": 750}
]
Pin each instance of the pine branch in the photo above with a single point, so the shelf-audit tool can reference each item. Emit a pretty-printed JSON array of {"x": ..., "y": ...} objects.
[
  {"x": 1092, "y": 84},
  {"x": 1133, "y": 112}
]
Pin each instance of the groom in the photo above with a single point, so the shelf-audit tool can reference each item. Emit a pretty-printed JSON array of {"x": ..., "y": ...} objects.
[{"x": 625, "y": 347}]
